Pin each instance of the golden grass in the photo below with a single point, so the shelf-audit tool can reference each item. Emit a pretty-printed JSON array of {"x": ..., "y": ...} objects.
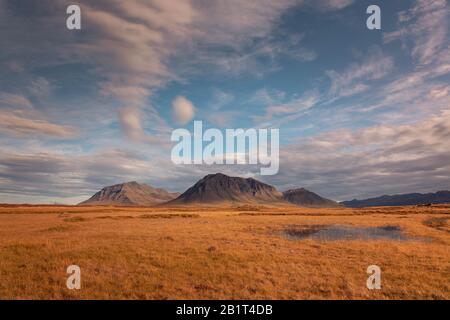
[{"x": 217, "y": 253}]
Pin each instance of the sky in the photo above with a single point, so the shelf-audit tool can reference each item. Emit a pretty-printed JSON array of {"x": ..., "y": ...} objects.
[{"x": 361, "y": 112}]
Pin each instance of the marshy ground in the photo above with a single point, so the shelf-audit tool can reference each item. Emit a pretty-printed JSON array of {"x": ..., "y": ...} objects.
[{"x": 222, "y": 253}]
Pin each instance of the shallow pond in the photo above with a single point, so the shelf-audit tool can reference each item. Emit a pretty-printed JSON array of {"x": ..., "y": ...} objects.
[{"x": 345, "y": 232}]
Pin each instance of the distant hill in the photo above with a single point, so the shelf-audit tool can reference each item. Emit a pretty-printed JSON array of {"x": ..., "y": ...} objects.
[
  {"x": 306, "y": 198},
  {"x": 130, "y": 194},
  {"x": 220, "y": 188},
  {"x": 401, "y": 200}
]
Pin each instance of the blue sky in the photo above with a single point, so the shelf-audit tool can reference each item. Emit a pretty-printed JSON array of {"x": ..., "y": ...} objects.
[{"x": 361, "y": 112}]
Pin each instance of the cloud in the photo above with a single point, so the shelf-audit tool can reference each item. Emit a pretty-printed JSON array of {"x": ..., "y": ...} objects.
[
  {"x": 294, "y": 107},
  {"x": 220, "y": 99},
  {"x": 353, "y": 80},
  {"x": 267, "y": 96},
  {"x": 183, "y": 110},
  {"x": 55, "y": 174},
  {"x": 424, "y": 27},
  {"x": 329, "y": 5},
  {"x": 130, "y": 120},
  {"x": 14, "y": 100},
  {"x": 418, "y": 93},
  {"x": 15, "y": 66},
  {"x": 20, "y": 119},
  {"x": 125, "y": 45},
  {"x": 344, "y": 164},
  {"x": 128, "y": 50},
  {"x": 18, "y": 123},
  {"x": 439, "y": 92},
  {"x": 253, "y": 55},
  {"x": 133, "y": 47},
  {"x": 40, "y": 87},
  {"x": 220, "y": 112},
  {"x": 50, "y": 175},
  {"x": 340, "y": 164},
  {"x": 234, "y": 23}
]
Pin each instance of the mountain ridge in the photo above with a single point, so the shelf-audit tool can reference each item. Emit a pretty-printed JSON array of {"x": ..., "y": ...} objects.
[
  {"x": 405, "y": 199},
  {"x": 306, "y": 198},
  {"x": 222, "y": 189}
]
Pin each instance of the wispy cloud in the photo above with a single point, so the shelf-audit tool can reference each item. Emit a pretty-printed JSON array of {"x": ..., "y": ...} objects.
[
  {"x": 292, "y": 108},
  {"x": 329, "y": 5},
  {"x": 19, "y": 123},
  {"x": 8, "y": 100},
  {"x": 425, "y": 27},
  {"x": 374, "y": 118},
  {"x": 355, "y": 78},
  {"x": 131, "y": 45},
  {"x": 55, "y": 174}
]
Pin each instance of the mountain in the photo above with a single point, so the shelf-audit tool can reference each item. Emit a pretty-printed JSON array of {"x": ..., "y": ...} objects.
[
  {"x": 130, "y": 194},
  {"x": 305, "y": 198},
  {"x": 220, "y": 188},
  {"x": 401, "y": 200}
]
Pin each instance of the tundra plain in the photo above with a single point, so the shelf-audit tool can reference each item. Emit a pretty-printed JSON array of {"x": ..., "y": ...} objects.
[{"x": 219, "y": 253}]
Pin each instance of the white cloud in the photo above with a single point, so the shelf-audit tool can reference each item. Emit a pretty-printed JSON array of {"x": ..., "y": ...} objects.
[
  {"x": 267, "y": 97},
  {"x": 353, "y": 80},
  {"x": 52, "y": 173},
  {"x": 329, "y": 5},
  {"x": 344, "y": 164},
  {"x": 294, "y": 107},
  {"x": 183, "y": 110},
  {"x": 131, "y": 44},
  {"x": 14, "y": 101},
  {"x": 19, "y": 123},
  {"x": 425, "y": 25},
  {"x": 130, "y": 119}
]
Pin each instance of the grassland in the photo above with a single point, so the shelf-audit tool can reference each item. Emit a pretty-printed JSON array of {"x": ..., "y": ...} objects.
[{"x": 218, "y": 253}]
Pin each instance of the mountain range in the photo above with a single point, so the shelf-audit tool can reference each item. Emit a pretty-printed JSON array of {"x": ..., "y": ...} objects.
[
  {"x": 401, "y": 200},
  {"x": 213, "y": 189},
  {"x": 218, "y": 189}
]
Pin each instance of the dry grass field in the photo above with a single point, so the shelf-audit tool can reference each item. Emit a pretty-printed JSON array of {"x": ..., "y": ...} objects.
[{"x": 218, "y": 253}]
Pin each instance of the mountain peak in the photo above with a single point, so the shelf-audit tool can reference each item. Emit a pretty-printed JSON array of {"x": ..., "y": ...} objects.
[
  {"x": 294, "y": 190},
  {"x": 220, "y": 188},
  {"x": 305, "y": 198},
  {"x": 130, "y": 193},
  {"x": 218, "y": 174},
  {"x": 131, "y": 183}
]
